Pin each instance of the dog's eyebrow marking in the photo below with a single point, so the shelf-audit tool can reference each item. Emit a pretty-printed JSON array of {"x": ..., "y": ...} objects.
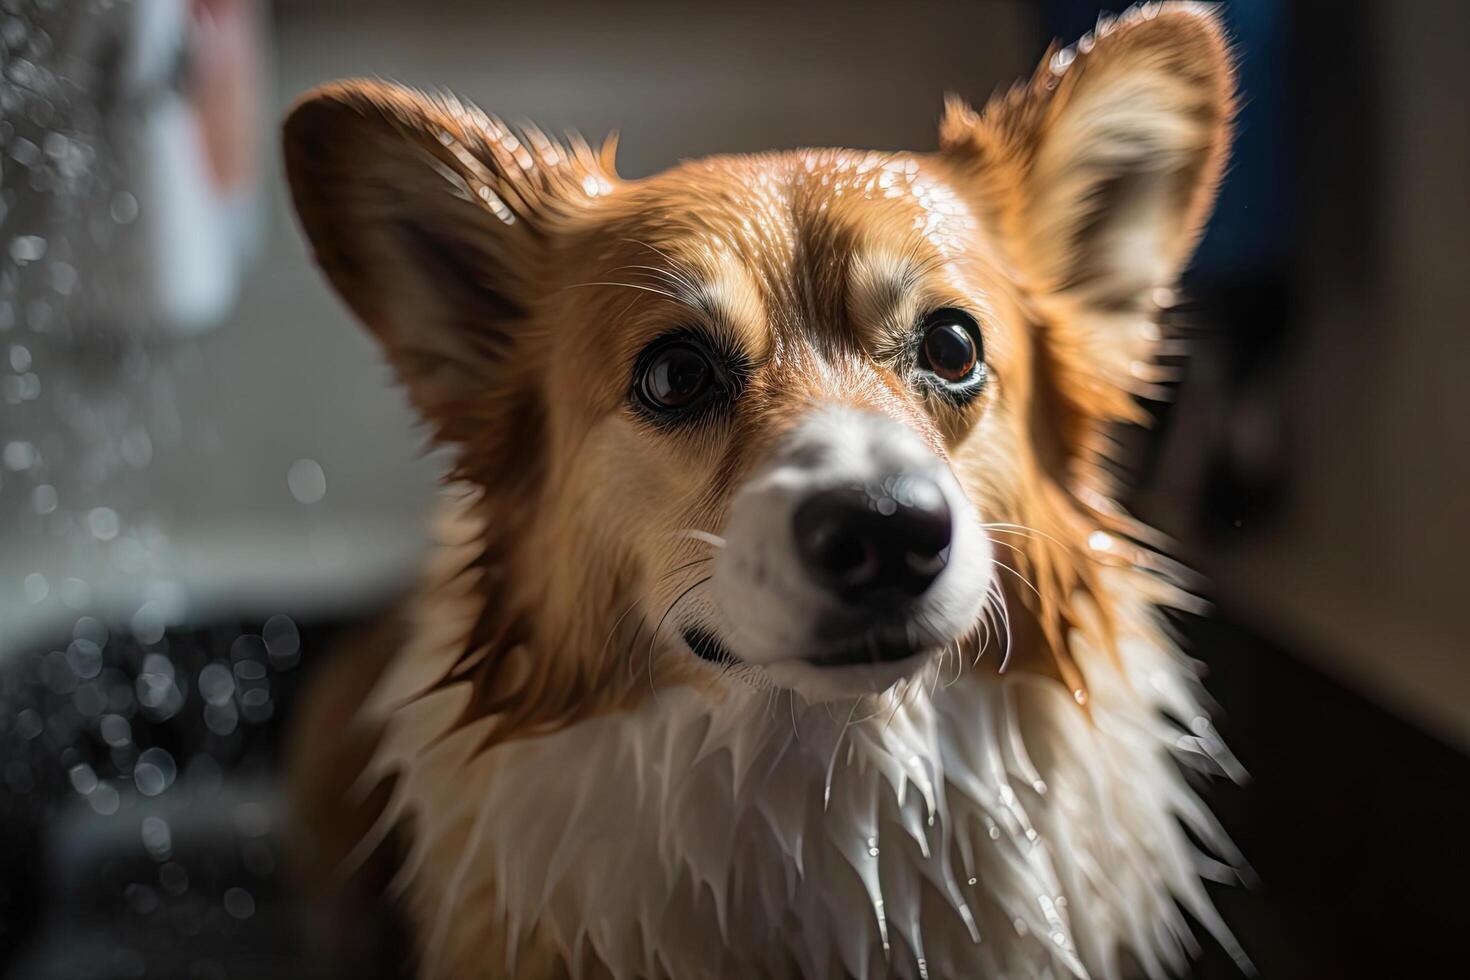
[
  {"x": 720, "y": 288},
  {"x": 735, "y": 303},
  {"x": 710, "y": 282},
  {"x": 883, "y": 289}
]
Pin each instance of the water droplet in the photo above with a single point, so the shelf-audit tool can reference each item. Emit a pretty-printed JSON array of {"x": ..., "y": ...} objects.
[
  {"x": 282, "y": 641},
  {"x": 83, "y": 779},
  {"x": 105, "y": 799},
  {"x": 84, "y": 657},
  {"x": 306, "y": 481},
  {"x": 158, "y": 838},
  {"x": 28, "y": 724},
  {"x": 124, "y": 207},
  {"x": 25, "y": 152},
  {"x": 239, "y": 903},
  {"x": 63, "y": 278},
  {"x": 149, "y": 622},
  {"x": 36, "y": 587},
  {"x": 249, "y": 670},
  {"x": 27, "y": 248},
  {"x": 20, "y": 455},
  {"x": 154, "y": 771},
  {"x": 216, "y": 684},
  {"x": 103, "y": 523},
  {"x": 115, "y": 730}
]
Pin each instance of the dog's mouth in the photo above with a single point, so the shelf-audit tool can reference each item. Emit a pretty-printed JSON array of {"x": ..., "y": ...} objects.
[
  {"x": 705, "y": 645},
  {"x": 882, "y": 642}
]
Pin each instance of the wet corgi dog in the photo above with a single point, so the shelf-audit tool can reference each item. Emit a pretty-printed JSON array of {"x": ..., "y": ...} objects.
[{"x": 783, "y": 623}]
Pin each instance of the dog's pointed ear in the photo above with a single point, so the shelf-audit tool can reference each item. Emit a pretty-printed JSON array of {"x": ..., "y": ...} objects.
[
  {"x": 1102, "y": 169},
  {"x": 433, "y": 220}
]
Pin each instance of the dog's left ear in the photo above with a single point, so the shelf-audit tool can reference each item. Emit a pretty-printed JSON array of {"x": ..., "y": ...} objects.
[{"x": 1101, "y": 170}]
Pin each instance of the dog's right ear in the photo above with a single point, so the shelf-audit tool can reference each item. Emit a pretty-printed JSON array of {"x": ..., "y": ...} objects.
[{"x": 432, "y": 220}]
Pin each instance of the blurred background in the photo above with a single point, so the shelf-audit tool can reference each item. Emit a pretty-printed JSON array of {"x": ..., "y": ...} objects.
[{"x": 204, "y": 475}]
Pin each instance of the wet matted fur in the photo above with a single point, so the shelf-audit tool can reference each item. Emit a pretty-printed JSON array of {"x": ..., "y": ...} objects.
[{"x": 579, "y": 793}]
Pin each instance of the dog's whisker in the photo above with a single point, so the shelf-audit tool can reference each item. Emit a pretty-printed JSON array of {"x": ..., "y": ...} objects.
[
  {"x": 1006, "y": 527},
  {"x": 982, "y": 632},
  {"x": 836, "y": 748},
  {"x": 632, "y": 645},
  {"x": 668, "y": 610},
  {"x": 625, "y": 285},
  {"x": 673, "y": 262},
  {"x": 678, "y": 279},
  {"x": 618, "y": 622},
  {"x": 1017, "y": 549},
  {"x": 1003, "y": 611},
  {"x": 664, "y": 293},
  {"x": 1024, "y": 580},
  {"x": 695, "y": 534},
  {"x": 687, "y": 565}
]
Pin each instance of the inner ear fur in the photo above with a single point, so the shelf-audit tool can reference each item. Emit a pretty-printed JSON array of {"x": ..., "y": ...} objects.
[
  {"x": 433, "y": 221},
  {"x": 1100, "y": 172}
]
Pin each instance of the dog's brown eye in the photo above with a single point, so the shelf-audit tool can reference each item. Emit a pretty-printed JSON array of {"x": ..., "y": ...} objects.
[
  {"x": 950, "y": 348},
  {"x": 678, "y": 376}
]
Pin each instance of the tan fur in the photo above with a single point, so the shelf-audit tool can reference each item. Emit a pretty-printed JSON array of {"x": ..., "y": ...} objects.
[{"x": 513, "y": 280}]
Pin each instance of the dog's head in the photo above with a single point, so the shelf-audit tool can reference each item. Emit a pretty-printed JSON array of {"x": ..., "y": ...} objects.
[{"x": 779, "y": 405}]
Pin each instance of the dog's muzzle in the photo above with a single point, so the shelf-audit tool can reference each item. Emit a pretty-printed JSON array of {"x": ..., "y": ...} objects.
[{"x": 848, "y": 561}]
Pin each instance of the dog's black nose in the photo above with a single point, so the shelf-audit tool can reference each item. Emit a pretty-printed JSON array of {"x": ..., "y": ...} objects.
[{"x": 875, "y": 544}]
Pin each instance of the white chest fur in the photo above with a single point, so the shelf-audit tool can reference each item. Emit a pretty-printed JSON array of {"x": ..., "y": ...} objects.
[{"x": 985, "y": 827}]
